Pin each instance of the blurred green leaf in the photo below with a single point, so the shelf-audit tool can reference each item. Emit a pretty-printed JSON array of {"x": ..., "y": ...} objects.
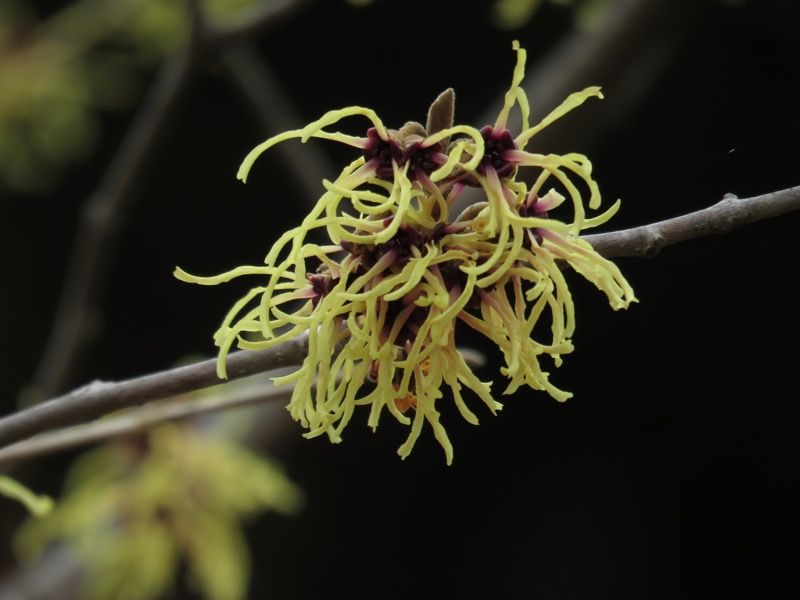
[{"x": 133, "y": 508}]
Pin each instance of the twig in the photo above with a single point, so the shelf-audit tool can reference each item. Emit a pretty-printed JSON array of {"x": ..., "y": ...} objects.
[
  {"x": 140, "y": 419},
  {"x": 726, "y": 215},
  {"x": 101, "y": 398},
  {"x": 97, "y": 399}
]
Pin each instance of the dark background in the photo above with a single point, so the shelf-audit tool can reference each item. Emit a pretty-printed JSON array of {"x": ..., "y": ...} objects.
[{"x": 671, "y": 473}]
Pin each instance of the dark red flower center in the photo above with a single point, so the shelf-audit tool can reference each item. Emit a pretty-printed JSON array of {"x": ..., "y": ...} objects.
[
  {"x": 496, "y": 144},
  {"x": 383, "y": 152},
  {"x": 421, "y": 159},
  {"x": 321, "y": 284}
]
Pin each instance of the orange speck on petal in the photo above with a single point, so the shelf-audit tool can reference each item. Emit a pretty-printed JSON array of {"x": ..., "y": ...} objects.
[{"x": 403, "y": 404}]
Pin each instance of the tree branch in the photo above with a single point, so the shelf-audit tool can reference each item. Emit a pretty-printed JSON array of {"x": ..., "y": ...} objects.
[
  {"x": 256, "y": 391},
  {"x": 101, "y": 398},
  {"x": 139, "y": 420},
  {"x": 728, "y": 214}
]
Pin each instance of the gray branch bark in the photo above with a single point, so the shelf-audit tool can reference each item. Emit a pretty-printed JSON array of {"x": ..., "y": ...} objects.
[
  {"x": 728, "y": 214},
  {"x": 101, "y": 398}
]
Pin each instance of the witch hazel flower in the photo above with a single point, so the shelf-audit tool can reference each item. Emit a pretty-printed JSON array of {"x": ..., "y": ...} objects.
[{"x": 382, "y": 302}]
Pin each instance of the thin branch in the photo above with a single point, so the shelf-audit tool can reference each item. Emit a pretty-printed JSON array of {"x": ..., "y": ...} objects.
[
  {"x": 728, "y": 214},
  {"x": 99, "y": 398},
  {"x": 135, "y": 421},
  {"x": 256, "y": 391}
]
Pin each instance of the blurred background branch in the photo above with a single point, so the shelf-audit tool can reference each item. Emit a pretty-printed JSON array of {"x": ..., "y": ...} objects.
[
  {"x": 76, "y": 319},
  {"x": 79, "y": 309}
]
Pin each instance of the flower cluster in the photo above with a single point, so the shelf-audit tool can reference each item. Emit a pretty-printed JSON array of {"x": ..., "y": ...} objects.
[{"x": 382, "y": 301}]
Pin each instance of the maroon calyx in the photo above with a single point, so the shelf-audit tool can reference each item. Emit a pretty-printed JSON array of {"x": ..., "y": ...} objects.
[{"x": 496, "y": 144}]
